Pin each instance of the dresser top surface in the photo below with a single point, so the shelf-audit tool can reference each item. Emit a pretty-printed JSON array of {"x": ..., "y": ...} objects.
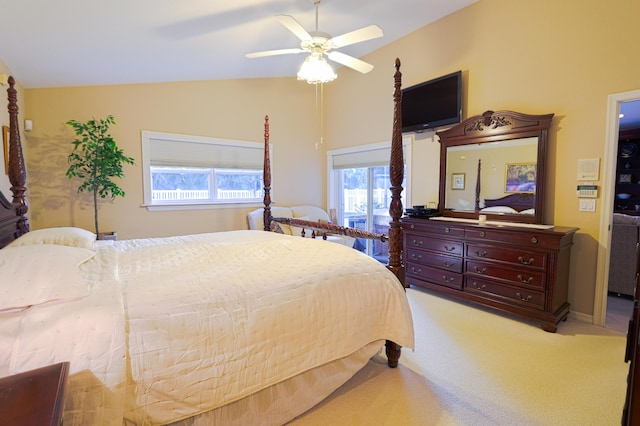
[{"x": 506, "y": 226}]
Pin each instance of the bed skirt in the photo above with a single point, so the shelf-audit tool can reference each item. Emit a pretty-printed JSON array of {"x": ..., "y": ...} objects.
[{"x": 289, "y": 399}]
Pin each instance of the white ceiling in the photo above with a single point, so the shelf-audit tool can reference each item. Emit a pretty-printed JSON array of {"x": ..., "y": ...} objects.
[
  {"x": 82, "y": 42},
  {"x": 62, "y": 43}
]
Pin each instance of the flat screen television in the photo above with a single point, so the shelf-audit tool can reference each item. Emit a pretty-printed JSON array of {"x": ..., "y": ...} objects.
[{"x": 432, "y": 104}]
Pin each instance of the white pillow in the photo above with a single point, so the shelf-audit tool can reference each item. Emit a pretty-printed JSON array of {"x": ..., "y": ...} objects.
[
  {"x": 41, "y": 273},
  {"x": 64, "y": 236},
  {"x": 297, "y": 231},
  {"x": 528, "y": 211},
  {"x": 499, "y": 209}
]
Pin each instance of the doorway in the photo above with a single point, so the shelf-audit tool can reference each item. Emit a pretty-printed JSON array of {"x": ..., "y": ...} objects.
[{"x": 608, "y": 199}]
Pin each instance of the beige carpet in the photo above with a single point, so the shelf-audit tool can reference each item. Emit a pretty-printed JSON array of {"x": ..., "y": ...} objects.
[{"x": 475, "y": 367}]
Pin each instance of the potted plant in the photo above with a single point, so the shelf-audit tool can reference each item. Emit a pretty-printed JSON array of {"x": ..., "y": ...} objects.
[{"x": 96, "y": 159}]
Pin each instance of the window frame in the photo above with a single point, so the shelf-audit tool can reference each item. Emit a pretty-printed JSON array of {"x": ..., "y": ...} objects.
[
  {"x": 407, "y": 142},
  {"x": 146, "y": 140}
]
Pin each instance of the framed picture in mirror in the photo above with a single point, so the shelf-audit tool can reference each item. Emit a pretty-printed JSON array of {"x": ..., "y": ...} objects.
[
  {"x": 457, "y": 180},
  {"x": 520, "y": 177}
]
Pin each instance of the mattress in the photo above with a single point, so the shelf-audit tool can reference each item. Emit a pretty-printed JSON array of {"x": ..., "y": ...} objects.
[{"x": 176, "y": 327}]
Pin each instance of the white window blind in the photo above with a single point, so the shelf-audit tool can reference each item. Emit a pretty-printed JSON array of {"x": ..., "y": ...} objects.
[
  {"x": 186, "y": 171},
  {"x": 365, "y": 156},
  {"x": 216, "y": 153}
]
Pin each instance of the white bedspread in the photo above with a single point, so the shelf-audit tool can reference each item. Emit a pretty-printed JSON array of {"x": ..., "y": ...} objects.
[{"x": 195, "y": 322}]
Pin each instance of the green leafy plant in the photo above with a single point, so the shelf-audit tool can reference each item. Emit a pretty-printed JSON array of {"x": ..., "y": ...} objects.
[{"x": 96, "y": 159}]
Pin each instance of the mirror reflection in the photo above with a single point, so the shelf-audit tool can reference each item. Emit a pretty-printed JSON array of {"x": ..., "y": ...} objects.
[
  {"x": 492, "y": 167},
  {"x": 488, "y": 171}
]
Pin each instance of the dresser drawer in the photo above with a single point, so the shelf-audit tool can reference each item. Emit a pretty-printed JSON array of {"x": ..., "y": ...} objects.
[
  {"x": 515, "y": 256},
  {"x": 433, "y": 227},
  {"x": 426, "y": 242},
  {"x": 434, "y": 275},
  {"x": 527, "y": 239},
  {"x": 450, "y": 263},
  {"x": 522, "y": 276},
  {"x": 505, "y": 293}
]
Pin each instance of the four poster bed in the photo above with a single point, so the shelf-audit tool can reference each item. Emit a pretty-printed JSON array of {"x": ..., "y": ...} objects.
[{"x": 239, "y": 327}]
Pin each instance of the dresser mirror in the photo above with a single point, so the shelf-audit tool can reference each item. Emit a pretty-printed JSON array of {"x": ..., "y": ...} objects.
[{"x": 494, "y": 165}]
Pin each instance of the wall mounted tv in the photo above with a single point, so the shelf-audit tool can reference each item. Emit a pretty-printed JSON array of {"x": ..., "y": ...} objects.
[{"x": 432, "y": 104}]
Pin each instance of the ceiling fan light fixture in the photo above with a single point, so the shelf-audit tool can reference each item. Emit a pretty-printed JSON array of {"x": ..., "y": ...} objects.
[{"x": 315, "y": 69}]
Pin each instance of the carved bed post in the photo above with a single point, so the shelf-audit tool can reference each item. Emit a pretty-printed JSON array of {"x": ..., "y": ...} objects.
[
  {"x": 266, "y": 177},
  {"x": 17, "y": 170},
  {"x": 396, "y": 173}
]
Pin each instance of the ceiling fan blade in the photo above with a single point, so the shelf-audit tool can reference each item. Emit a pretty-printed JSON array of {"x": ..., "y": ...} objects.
[
  {"x": 292, "y": 25},
  {"x": 350, "y": 62},
  {"x": 357, "y": 36},
  {"x": 273, "y": 52}
]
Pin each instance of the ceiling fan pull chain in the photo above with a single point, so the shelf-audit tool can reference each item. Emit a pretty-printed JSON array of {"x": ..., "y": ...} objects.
[{"x": 320, "y": 106}]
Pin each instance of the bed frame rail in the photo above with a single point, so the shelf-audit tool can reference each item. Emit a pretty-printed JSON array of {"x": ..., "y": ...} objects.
[{"x": 323, "y": 229}]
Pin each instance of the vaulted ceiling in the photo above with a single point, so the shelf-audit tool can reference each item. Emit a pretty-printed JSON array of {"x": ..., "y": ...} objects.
[{"x": 79, "y": 42}]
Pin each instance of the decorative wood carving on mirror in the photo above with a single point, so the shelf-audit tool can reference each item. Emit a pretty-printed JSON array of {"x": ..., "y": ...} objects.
[{"x": 503, "y": 156}]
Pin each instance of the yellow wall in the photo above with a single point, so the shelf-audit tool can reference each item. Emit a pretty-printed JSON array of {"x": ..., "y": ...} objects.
[
  {"x": 232, "y": 109},
  {"x": 533, "y": 56}
]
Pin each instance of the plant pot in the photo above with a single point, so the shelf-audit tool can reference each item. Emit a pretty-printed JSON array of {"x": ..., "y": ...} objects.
[{"x": 112, "y": 236}]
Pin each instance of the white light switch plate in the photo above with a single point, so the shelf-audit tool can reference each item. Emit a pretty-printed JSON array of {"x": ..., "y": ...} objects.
[{"x": 587, "y": 205}]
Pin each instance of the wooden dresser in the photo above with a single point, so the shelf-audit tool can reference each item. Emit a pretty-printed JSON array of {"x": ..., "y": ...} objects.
[
  {"x": 34, "y": 397},
  {"x": 518, "y": 270}
]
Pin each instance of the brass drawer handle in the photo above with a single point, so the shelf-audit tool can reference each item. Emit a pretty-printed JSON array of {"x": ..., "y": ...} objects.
[
  {"x": 413, "y": 226},
  {"x": 448, "y": 280},
  {"x": 475, "y": 285},
  {"x": 482, "y": 234},
  {"x": 481, "y": 253},
  {"x": 522, "y": 280},
  {"x": 416, "y": 270},
  {"x": 534, "y": 240},
  {"x": 416, "y": 256},
  {"x": 447, "y": 248},
  {"x": 478, "y": 270},
  {"x": 448, "y": 264},
  {"x": 526, "y": 262},
  {"x": 524, "y": 299},
  {"x": 417, "y": 243},
  {"x": 447, "y": 230}
]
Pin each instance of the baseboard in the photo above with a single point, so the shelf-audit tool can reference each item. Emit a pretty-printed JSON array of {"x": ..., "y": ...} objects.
[{"x": 579, "y": 316}]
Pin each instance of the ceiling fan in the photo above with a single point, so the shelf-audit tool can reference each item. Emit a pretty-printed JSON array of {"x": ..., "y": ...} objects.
[{"x": 315, "y": 68}]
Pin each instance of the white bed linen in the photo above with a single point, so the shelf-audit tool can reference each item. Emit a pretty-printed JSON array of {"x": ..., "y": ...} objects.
[
  {"x": 279, "y": 404},
  {"x": 89, "y": 332},
  {"x": 205, "y": 320}
]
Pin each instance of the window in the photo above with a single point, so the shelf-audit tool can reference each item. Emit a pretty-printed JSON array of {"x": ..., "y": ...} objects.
[
  {"x": 359, "y": 191},
  {"x": 182, "y": 171}
]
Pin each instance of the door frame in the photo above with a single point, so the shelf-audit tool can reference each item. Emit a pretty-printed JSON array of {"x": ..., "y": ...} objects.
[{"x": 608, "y": 195}]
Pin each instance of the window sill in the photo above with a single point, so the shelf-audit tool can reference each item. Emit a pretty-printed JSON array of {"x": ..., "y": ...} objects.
[{"x": 200, "y": 206}]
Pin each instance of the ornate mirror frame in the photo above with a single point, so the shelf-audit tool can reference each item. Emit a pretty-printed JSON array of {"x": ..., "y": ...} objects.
[{"x": 500, "y": 126}]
